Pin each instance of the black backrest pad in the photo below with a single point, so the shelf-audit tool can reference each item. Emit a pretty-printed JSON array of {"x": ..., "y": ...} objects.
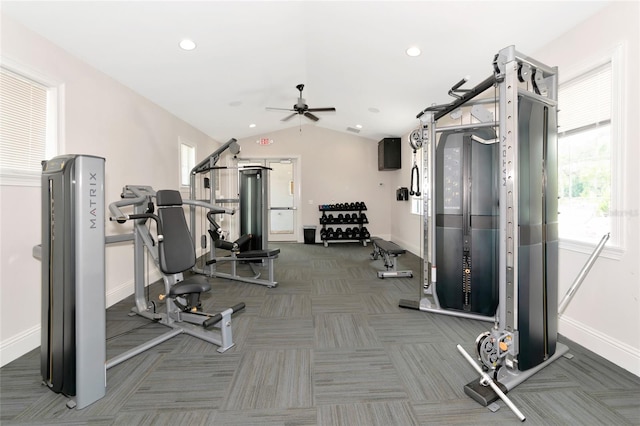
[
  {"x": 168, "y": 197},
  {"x": 176, "y": 252}
]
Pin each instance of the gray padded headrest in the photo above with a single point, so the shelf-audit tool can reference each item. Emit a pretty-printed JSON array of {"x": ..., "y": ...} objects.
[{"x": 168, "y": 197}]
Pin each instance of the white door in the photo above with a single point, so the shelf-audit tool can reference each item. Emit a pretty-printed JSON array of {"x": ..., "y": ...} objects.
[
  {"x": 282, "y": 200},
  {"x": 283, "y": 196}
]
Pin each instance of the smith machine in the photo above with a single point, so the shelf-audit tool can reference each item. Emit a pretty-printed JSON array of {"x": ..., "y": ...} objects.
[{"x": 491, "y": 219}]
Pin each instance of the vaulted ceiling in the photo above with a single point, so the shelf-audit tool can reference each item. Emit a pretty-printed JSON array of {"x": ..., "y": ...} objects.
[{"x": 251, "y": 54}]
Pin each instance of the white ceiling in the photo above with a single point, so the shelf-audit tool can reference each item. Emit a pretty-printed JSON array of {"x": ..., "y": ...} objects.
[{"x": 252, "y": 54}]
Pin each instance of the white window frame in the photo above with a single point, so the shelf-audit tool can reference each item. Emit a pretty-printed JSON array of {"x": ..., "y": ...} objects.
[
  {"x": 616, "y": 245},
  {"x": 55, "y": 120},
  {"x": 191, "y": 162}
]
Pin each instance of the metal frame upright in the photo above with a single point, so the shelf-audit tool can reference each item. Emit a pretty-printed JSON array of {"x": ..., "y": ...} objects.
[{"x": 527, "y": 251}]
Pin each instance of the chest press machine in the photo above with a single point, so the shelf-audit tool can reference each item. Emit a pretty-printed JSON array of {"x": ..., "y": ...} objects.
[
  {"x": 172, "y": 250},
  {"x": 491, "y": 220},
  {"x": 73, "y": 332}
]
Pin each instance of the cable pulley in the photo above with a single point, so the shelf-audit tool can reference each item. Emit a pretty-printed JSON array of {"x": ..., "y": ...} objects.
[{"x": 415, "y": 141}]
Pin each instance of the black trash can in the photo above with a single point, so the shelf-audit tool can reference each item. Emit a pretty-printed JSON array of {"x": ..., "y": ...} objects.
[{"x": 309, "y": 234}]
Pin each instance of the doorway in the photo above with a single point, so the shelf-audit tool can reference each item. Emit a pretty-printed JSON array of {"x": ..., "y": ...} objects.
[{"x": 284, "y": 196}]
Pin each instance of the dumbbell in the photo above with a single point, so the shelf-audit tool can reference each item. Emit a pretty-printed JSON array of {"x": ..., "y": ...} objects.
[
  {"x": 348, "y": 233},
  {"x": 364, "y": 233},
  {"x": 355, "y": 232},
  {"x": 363, "y": 218},
  {"x": 339, "y": 233},
  {"x": 330, "y": 233}
]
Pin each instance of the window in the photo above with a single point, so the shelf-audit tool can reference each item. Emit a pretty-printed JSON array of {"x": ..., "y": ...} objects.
[
  {"x": 187, "y": 162},
  {"x": 416, "y": 205},
  {"x": 588, "y": 143},
  {"x": 28, "y": 111}
]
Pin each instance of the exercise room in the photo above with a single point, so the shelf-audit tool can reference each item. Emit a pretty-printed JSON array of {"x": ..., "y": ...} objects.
[{"x": 319, "y": 212}]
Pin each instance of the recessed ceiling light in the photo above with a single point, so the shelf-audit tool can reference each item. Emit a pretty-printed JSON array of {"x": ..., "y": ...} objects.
[
  {"x": 374, "y": 110},
  {"x": 187, "y": 44},
  {"x": 252, "y": 125},
  {"x": 359, "y": 126},
  {"x": 413, "y": 51},
  {"x": 235, "y": 103}
]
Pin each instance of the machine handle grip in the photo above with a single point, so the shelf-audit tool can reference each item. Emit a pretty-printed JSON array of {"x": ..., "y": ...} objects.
[
  {"x": 212, "y": 320},
  {"x": 235, "y": 308},
  {"x": 218, "y": 317},
  {"x": 150, "y": 216}
]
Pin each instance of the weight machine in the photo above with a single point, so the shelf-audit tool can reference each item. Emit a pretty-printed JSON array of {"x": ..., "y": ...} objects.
[
  {"x": 172, "y": 251},
  {"x": 73, "y": 332},
  {"x": 253, "y": 196},
  {"x": 491, "y": 218}
]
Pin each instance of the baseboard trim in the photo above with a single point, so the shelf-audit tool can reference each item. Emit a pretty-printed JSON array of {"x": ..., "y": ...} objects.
[
  {"x": 18, "y": 345},
  {"x": 409, "y": 246},
  {"x": 616, "y": 351},
  {"x": 127, "y": 289}
]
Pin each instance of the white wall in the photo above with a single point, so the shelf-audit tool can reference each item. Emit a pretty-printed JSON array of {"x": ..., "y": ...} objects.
[
  {"x": 604, "y": 316},
  {"x": 140, "y": 142},
  {"x": 335, "y": 167}
]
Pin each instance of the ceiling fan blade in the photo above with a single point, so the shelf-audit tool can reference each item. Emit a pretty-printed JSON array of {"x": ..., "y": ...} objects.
[
  {"x": 311, "y": 116},
  {"x": 290, "y": 116},
  {"x": 321, "y": 109},
  {"x": 279, "y": 109}
]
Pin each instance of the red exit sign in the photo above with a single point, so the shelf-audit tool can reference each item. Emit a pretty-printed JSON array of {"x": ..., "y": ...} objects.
[{"x": 264, "y": 141}]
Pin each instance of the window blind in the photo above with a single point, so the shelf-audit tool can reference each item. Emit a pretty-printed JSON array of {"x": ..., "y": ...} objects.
[
  {"x": 585, "y": 101},
  {"x": 23, "y": 124}
]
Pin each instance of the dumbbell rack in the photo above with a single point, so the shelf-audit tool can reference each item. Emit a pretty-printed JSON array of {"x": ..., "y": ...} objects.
[{"x": 344, "y": 214}]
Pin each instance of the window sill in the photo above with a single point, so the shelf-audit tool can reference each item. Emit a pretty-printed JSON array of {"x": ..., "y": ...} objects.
[{"x": 609, "y": 252}]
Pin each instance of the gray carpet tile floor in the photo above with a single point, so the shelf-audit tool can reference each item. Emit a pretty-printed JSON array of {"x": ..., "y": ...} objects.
[{"x": 328, "y": 346}]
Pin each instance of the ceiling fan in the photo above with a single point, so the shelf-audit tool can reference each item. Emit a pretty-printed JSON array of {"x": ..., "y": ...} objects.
[{"x": 301, "y": 108}]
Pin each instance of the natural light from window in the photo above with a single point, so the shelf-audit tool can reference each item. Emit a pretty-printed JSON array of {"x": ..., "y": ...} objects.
[{"x": 585, "y": 156}]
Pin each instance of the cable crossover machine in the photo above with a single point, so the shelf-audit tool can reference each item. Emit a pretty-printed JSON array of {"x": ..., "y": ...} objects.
[{"x": 490, "y": 191}]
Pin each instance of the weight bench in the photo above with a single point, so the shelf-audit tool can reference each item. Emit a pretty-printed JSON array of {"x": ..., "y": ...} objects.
[
  {"x": 249, "y": 256},
  {"x": 239, "y": 255},
  {"x": 388, "y": 251}
]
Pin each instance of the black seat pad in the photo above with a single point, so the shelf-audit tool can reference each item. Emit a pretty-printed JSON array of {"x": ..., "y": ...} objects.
[
  {"x": 190, "y": 285},
  {"x": 389, "y": 247},
  {"x": 258, "y": 253}
]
